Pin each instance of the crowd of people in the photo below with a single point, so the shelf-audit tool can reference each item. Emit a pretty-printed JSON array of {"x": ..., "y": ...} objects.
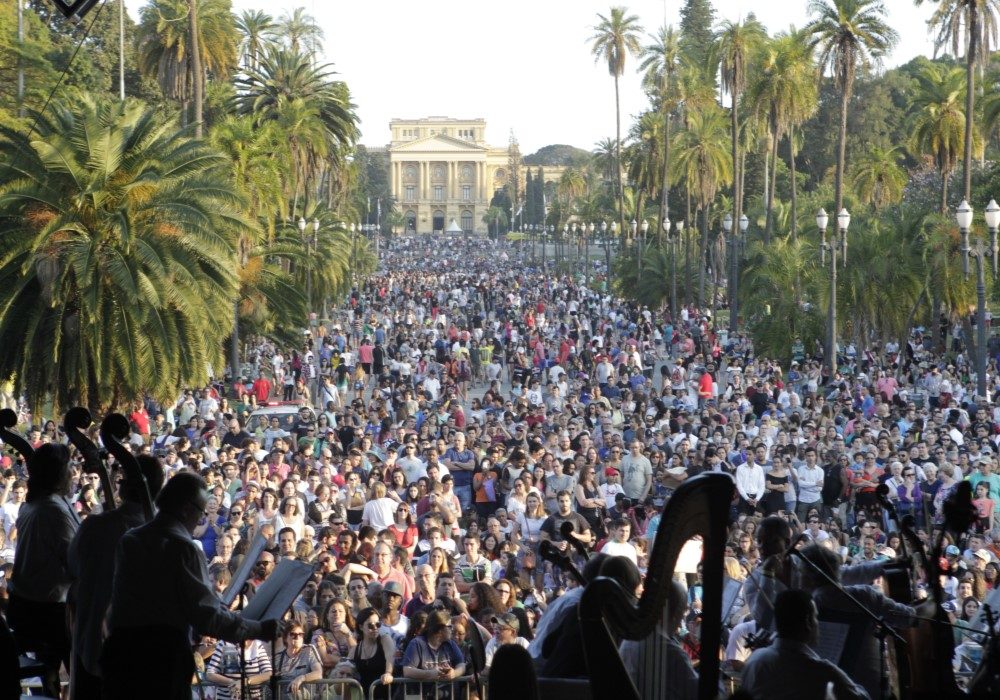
[{"x": 459, "y": 411}]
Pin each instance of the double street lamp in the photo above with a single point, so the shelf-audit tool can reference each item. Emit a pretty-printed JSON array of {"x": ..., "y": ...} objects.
[
  {"x": 735, "y": 239},
  {"x": 311, "y": 249},
  {"x": 839, "y": 241},
  {"x": 979, "y": 251}
]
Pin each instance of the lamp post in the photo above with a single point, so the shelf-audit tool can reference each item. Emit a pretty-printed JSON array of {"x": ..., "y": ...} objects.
[
  {"x": 565, "y": 240},
  {"x": 644, "y": 228},
  {"x": 979, "y": 251},
  {"x": 586, "y": 252},
  {"x": 309, "y": 262},
  {"x": 727, "y": 227},
  {"x": 679, "y": 227},
  {"x": 315, "y": 243},
  {"x": 354, "y": 253},
  {"x": 673, "y": 273},
  {"x": 734, "y": 304},
  {"x": 843, "y": 222},
  {"x": 607, "y": 248}
]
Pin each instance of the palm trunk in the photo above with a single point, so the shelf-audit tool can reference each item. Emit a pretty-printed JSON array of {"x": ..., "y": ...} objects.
[
  {"x": 687, "y": 248},
  {"x": 197, "y": 74},
  {"x": 944, "y": 193},
  {"x": 791, "y": 164},
  {"x": 665, "y": 191},
  {"x": 970, "y": 98},
  {"x": 737, "y": 198},
  {"x": 618, "y": 161},
  {"x": 773, "y": 176},
  {"x": 703, "y": 256},
  {"x": 841, "y": 149},
  {"x": 234, "y": 343}
]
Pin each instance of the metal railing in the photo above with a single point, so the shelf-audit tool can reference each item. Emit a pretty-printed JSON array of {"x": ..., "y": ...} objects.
[
  {"x": 324, "y": 689},
  {"x": 461, "y": 688}
]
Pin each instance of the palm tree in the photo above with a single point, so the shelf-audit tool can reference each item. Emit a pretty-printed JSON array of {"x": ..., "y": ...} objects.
[
  {"x": 937, "y": 122},
  {"x": 615, "y": 37},
  {"x": 118, "y": 266},
  {"x": 703, "y": 161},
  {"x": 737, "y": 42},
  {"x": 496, "y": 216},
  {"x": 173, "y": 55},
  {"x": 661, "y": 63},
  {"x": 878, "y": 178},
  {"x": 848, "y": 33},
  {"x": 257, "y": 28},
  {"x": 300, "y": 31},
  {"x": 572, "y": 185},
  {"x": 784, "y": 92},
  {"x": 972, "y": 23}
]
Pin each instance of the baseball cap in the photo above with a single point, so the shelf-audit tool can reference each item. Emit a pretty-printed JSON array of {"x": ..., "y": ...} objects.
[
  {"x": 983, "y": 554},
  {"x": 951, "y": 550},
  {"x": 610, "y": 471},
  {"x": 394, "y": 588},
  {"x": 507, "y": 620}
]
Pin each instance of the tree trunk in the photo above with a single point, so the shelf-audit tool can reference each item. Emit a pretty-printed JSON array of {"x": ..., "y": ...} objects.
[
  {"x": 665, "y": 192},
  {"x": 687, "y": 247},
  {"x": 841, "y": 150},
  {"x": 773, "y": 176},
  {"x": 618, "y": 162},
  {"x": 970, "y": 97},
  {"x": 734, "y": 129},
  {"x": 703, "y": 256},
  {"x": 944, "y": 193},
  {"x": 791, "y": 165},
  {"x": 234, "y": 342},
  {"x": 197, "y": 73}
]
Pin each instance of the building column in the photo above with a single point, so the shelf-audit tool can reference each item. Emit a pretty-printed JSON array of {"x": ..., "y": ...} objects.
[
  {"x": 481, "y": 180},
  {"x": 396, "y": 190},
  {"x": 452, "y": 176}
]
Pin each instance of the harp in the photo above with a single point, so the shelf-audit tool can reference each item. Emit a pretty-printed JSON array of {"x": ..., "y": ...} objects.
[{"x": 700, "y": 506}]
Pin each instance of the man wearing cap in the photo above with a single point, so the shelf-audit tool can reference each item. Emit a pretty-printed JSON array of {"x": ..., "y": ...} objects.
[{"x": 505, "y": 631}]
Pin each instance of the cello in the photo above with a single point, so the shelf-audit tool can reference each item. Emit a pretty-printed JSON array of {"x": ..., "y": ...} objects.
[
  {"x": 75, "y": 423},
  {"x": 8, "y": 421},
  {"x": 115, "y": 428}
]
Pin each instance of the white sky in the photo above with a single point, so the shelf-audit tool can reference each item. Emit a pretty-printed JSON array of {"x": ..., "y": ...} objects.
[{"x": 520, "y": 64}]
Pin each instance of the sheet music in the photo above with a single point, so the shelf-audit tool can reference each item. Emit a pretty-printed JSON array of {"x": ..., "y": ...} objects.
[
  {"x": 246, "y": 568},
  {"x": 831, "y": 640},
  {"x": 276, "y": 595}
]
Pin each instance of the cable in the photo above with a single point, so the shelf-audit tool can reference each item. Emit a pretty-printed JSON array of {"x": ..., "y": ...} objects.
[{"x": 62, "y": 76}]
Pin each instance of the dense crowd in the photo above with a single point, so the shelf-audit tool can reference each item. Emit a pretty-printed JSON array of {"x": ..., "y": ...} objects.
[{"x": 459, "y": 409}]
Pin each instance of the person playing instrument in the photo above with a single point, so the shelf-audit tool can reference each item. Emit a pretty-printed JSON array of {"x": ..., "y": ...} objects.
[
  {"x": 46, "y": 524},
  {"x": 828, "y": 597},
  {"x": 767, "y": 675},
  {"x": 160, "y": 595},
  {"x": 671, "y": 662},
  {"x": 92, "y": 562}
]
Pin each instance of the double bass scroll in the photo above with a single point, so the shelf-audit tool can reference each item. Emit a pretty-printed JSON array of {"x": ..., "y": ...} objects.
[
  {"x": 8, "y": 421},
  {"x": 699, "y": 506},
  {"x": 115, "y": 428},
  {"x": 76, "y": 421}
]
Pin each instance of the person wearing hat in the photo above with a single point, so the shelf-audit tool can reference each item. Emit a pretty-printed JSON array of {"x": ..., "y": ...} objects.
[{"x": 505, "y": 631}]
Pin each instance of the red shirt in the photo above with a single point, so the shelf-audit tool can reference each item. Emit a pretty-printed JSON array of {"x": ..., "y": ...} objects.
[
  {"x": 705, "y": 386},
  {"x": 141, "y": 419},
  {"x": 261, "y": 390}
]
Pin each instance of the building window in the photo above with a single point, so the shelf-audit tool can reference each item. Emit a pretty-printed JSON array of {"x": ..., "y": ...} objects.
[
  {"x": 410, "y": 194},
  {"x": 438, "y": 193},
  {"x": 467, "y": 221},
  {"x": 466, "y": 192}
]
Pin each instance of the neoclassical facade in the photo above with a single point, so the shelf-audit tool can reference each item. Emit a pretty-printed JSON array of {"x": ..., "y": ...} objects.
[{"x": 443, "y": 169}]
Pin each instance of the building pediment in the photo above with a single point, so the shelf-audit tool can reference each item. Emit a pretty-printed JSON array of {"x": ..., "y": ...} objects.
[{"x": 438, "y": 143}]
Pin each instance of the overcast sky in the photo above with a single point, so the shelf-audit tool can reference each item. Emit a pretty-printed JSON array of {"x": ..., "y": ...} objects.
[{"x": 520, "y": 64}]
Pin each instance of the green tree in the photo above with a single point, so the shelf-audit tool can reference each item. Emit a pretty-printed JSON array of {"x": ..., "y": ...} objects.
[
  {"x": 972, "y": 24},
  {"x": 256, "y": 28},
  {"x": 697, "y": 20},
  {"x": 702, "y": 160},
  {"x": 938, "y": 121},
  {"x": 736, "y": 44},
  {"x": 118, "y": 256},
  {"x": 300, "y": 31},
  {"x": 661, "y": 65},
  {"x": 164, "y": 46},
  {"x": 848, "y": 33},
  {"x": 615, "y": 38},
  {"x": 495, "y": 219},
  {"x": 878, "y": 178}
]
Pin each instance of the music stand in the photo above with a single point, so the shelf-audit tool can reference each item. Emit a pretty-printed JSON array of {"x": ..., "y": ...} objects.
[
  {"x": 242, "y": 574},
  {"x": 276, "y": 595}
]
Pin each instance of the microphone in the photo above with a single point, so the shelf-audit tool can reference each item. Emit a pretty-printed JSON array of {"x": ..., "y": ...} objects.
[{"x": 566, "y": 530}]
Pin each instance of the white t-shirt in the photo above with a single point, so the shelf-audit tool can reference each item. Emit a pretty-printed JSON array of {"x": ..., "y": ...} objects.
[{"x": 620, "y": 549}]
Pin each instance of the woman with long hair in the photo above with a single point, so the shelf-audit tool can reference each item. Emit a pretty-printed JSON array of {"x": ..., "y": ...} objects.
[
  {"x": 338, "y": 632},
  {"x": 439, "y": 561},
  {"x": 589, "y": 502},
  {"x": 483, "y": 596},
  {"x": 268, "y": 507},
  {"x": 530, "y": 522},
  {"x": 380, "y": 510},
  {"x": 374, "y": 653},
  {"x": 289, "y": 515},
  {"x": 516, "y": 499},
  {"x": 397, "y": 483},
  {"x": 434, "y": 656},
  {"x": 403, "y": 530},
  {"x": 298, "y": 661}
]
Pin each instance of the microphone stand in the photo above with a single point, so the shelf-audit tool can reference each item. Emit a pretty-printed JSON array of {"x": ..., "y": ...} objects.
[{"x": 882, "y": 629}]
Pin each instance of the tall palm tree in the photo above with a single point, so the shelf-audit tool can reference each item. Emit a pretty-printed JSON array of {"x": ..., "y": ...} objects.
[
  {"x": 166, "y": 45},
  {"x": 972, "y": 24},
  {"x": 117, "y": 271},
  {"x": 300, "y": 31},
  {"x": 878, "y": 178},
  {"x": 257, "y": 28},
  {"x": 784, "y": 92},
  {"x": 736, "y": 44},
  {"x": 848, "y": 34},
  {"x": 604, "y": 159},
  {"x": 704, "y": 163},
  {"x": 937, "y": 121},
  {"x": 661, "y": 64},
  {"x": 615, "y": 38}
]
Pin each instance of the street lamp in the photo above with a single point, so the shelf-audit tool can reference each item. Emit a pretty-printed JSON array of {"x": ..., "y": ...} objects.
[
  {"x": 727, "y": 227},
  {"x": 738, "y": 254},
  {"x": 586, "y": 249},
  {"x": 671, "y": 241},
  {"x": 302, "y": 232},
  {"x": 642, "y": 244},
  {"x": 607, "y": 248},
  {"x": 979, "y": 251},
  {"x": 843, "y": 222}
]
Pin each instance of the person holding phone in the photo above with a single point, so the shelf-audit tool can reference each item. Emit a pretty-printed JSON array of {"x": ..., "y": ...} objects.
[{"x": 434, "y": 656}]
